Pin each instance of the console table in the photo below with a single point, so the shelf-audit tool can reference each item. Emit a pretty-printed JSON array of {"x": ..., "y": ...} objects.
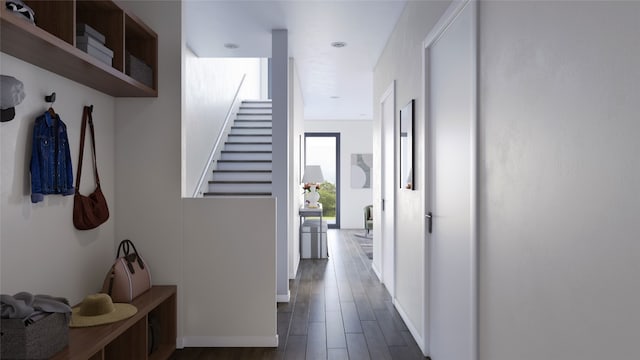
[
  {"x": 305, "y": 212},
  {"x": 128, "y": 339}
]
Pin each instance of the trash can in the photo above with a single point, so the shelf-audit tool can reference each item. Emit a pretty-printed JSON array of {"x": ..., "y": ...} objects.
[{"x": 313, "y": 239}]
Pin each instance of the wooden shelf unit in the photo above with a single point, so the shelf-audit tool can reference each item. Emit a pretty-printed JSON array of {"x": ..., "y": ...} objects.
[
  {"x": 128, "y": 339},
  {"x": 51, "y": 43}
]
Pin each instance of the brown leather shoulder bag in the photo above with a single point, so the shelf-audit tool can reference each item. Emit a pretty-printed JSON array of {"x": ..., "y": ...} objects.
[{"x": 89, "y": 211}]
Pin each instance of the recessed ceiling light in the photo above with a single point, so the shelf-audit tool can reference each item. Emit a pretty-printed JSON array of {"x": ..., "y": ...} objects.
[
  {"x": 335, "y": 97},
  {"x": 231, "y": 46},
  {"x": 338, "y": 44}
]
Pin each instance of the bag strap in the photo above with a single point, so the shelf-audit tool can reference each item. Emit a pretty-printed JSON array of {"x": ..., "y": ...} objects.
[
  {"x": 87, "y": 117},
  {"x": 126, "y": 246}
]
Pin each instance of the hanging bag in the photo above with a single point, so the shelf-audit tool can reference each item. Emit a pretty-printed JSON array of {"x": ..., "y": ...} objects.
[
  {"x": 88, "y": 211},
  {"x": 129, "y": 276}
]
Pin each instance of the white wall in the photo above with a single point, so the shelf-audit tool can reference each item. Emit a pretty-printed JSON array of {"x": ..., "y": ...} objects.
[
  {"x": 296, "y": 117},
  {"x": 230, "y": 272},
  {"x": 559, "y": 177},
  {"x": 356, "y": 137},
  {"x": 40, "y": 250},
  {"x": 148, "y": 155},
  {"x": 210, "y": 86},
  {"x": 281, "y": 134},
  {"x": 401, "y": 60}
]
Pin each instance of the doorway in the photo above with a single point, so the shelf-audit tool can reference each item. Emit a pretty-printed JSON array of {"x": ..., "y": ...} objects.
[
  {"x": 387, "y": 207},
  {"x": 324, "y": 149},
  {"x": 450, "y": 55}
]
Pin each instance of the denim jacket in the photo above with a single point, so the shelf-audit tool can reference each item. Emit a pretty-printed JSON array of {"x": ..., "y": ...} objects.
[{"x": 51, "y": 171}]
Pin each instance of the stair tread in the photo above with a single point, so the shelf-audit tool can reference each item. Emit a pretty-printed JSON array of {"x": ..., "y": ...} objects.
[
  {"x": 246, "y": 161},
  {"x": 240, "y": 182},
  {"x": 242, "y": 171},
  {"x": 252, "y": 127},
  {"x": 248, "y": 151},
  {"x": 248, "y": 143},
  {"x": 236, "y": 193}
]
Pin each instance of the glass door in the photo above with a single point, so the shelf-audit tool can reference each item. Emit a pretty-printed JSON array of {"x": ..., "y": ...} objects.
[{"x": 324, "y": 149}]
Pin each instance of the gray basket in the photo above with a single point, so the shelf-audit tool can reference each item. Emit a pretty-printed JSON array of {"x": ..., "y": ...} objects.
[{"x": 39, "y": 340}]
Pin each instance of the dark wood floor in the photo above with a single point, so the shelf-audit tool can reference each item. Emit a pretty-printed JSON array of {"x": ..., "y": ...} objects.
[{"x": 338, "y": 310}]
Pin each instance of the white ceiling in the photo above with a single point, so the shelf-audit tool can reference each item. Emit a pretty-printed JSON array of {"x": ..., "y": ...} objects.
[{"x": 325, "y": 71}]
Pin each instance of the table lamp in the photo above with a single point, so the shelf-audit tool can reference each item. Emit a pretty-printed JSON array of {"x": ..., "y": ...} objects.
[{"x": 312, "y": 177}]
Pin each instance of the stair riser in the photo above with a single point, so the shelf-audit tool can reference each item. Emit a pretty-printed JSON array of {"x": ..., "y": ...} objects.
[
  {"x": 241, "y": 176},
  {"x": 248, "y": 188},
  {"x": 249, "y": 138},
  {"x": 253, "y": 110},
  {"x": 248, "y": 131},
  {"x": 246, "y": 156},
  {"x": 243, "y": 166},
  {"x": 258, "y": 104},
  {"x": 248, "y": 147},
  {"x": 241, "y": 116},
  {"x": 252, "y": 123}
]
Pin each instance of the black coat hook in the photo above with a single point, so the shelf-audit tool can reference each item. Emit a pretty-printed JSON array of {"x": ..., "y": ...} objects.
[{"x": 50, "y": 98}]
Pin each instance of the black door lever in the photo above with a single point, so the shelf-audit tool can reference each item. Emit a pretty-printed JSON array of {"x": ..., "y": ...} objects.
[{"x": 430, "y": 217}]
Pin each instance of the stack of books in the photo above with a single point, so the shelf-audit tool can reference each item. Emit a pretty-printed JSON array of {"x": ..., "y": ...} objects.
[{"x": 92, "y": 42}]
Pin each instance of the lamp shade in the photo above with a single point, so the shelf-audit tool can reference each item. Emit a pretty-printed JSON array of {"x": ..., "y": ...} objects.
[{"x": 312, "y": 174}]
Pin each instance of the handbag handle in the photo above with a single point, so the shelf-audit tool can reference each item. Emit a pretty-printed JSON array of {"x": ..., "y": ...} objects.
[
  {"x": 87, "y": 117},
  {"x": 125, "y": 246}
]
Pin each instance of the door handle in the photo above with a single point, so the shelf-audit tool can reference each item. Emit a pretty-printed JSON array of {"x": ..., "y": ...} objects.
[
  {"x": 382, "y": 204},
  {"x": 430, "y": 217}
]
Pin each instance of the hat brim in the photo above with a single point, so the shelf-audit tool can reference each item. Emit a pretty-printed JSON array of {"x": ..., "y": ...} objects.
[{"x": 121, "y": 312}]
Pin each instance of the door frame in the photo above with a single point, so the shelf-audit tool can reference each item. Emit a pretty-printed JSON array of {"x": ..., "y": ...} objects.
[
  {"x": 450, "y": 15},
  {"x": 385, "y": 204},
  {"x": 335, "y": 135}
]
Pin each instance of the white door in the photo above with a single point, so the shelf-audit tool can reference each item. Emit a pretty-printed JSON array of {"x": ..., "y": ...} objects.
[
  {"x": 387, "y": 111},
  {"x": 450, "y": 62}
]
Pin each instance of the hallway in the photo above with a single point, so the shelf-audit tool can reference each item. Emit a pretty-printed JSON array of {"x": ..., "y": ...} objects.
[{"x": 338, "y": 310}]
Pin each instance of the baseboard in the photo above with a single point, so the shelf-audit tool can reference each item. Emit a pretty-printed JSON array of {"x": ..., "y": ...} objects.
[
  {"x": 412, "y": 329},
  {"x": 296, "y": 263},
  {"x": 230, "y": 341},
  {"x": 376, "y": 271},
  {"x": 283, "y": 298}
]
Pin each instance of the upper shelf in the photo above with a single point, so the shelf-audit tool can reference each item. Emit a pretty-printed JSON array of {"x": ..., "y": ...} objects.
[{"x": 54, "y": 49}]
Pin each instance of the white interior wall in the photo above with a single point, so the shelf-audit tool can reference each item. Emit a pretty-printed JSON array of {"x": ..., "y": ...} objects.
[
  {"x": 210, "y": 86},
  {"x": 148, "y": 155},
  {"x": 230, "y": 275},
  {"x": 40, "y": 249},
  {"x": 296, "y": 113},
  {"x": 401, "y": 60},
  {"x": 559, "y": 176},
  {"x": 356, "y": 137},
  {"x": 280, "y": 166}
]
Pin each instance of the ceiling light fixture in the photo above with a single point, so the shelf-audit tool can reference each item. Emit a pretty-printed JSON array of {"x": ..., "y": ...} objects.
[
  {"x": 231, "y": 46},
  {"x": 338, "y": 44}
]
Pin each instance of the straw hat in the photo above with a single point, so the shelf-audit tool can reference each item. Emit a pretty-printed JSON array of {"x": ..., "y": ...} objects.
[{"x": 98, "y": 309}]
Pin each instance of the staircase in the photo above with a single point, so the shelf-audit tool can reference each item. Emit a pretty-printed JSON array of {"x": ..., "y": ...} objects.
[{"x": 244, "y": 166}]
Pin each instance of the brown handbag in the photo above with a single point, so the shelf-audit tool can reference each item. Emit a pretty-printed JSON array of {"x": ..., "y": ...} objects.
[
  {"x": 129, "y": 276},
  {"x": 88, "y": 211}
]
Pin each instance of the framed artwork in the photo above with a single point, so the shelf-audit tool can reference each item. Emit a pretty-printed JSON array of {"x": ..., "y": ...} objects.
[
  {"x": 361, "y": 165},
  {"x": 407, "y": 146}
]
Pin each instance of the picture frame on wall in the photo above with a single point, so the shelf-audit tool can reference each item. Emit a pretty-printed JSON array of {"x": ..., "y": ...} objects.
[{"x": 407, "y": 146}]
